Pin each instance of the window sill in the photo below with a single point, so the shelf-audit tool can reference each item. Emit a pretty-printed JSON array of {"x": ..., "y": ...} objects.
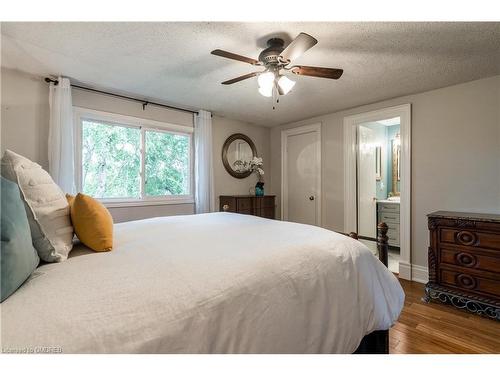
[{"x": 143, "y": 203}]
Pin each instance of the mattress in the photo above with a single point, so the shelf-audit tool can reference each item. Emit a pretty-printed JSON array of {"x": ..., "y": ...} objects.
[{"x": 209, "y": 283}]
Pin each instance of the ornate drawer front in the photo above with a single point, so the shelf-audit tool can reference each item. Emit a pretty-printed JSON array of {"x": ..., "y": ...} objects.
[
  {"x": 470, "y": 238},
  {"x": 388, "y": 217},
  {"x": 469, "y": 282},
  {"x": 244, "y": 204},
  {"x": 469, "y": 259}
]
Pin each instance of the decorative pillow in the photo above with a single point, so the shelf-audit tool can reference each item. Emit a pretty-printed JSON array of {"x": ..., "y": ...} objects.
[
  {"x": 45, "y": 204},
  {"x": 70, "y": 198},
  {"x": 18, "y": 257},
  {"x": 92, "y": 222}
]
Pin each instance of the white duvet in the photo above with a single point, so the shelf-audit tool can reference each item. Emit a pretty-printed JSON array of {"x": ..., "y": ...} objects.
[{"x": 211, "y": 283}]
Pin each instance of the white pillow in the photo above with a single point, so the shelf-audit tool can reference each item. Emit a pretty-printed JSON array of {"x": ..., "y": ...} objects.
[{"x": 46, "y": 207}]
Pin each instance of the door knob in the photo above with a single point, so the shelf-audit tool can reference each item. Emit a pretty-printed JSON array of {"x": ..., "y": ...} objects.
[{"x": 311, "y": 198}]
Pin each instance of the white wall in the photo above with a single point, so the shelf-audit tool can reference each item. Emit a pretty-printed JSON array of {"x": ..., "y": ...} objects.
[
  {"x": 25, "y": 122},
  {"x": 25, "y": 116},
  {"x": 455, "y": 155},
  {"x": 225, "y": 184}
]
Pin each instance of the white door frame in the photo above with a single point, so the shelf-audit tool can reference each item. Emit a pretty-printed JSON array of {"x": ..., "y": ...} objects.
[
  {"x": 350, "y": 212},
  {"x": 284, "y": 164}
]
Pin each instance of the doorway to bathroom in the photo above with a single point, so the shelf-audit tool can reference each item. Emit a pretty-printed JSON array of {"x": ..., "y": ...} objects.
[
  {"x": 377, "y": 180},
  {"x": 378, "y": 183}
]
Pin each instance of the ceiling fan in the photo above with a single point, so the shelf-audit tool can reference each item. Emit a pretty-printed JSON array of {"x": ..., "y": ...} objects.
[{"x": 276, "y": 59}]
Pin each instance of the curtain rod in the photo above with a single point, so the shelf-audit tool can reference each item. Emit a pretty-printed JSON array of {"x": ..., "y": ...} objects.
[{"x": 144, "y": 102}]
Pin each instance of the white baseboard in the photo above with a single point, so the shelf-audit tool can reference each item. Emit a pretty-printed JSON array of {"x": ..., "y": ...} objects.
[
  {"x": 419, "y": 274},
  {"x": 405, "y": 270},
  {"x": 413, "y": 272}
]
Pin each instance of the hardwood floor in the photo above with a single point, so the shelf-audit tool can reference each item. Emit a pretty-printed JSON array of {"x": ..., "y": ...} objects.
[{"x": 436, "y": 328}]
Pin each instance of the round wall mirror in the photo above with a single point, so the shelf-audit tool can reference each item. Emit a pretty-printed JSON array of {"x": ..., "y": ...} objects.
[{"x": 237, "y": 152}]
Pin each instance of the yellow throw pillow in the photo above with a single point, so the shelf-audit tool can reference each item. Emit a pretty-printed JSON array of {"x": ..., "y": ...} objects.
[{"x": 92, "y": 222}]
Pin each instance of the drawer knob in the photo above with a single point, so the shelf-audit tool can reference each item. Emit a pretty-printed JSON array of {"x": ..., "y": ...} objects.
[
  {"x": 466, "y": 238},
  {"x": 466, "y": 281},
  {"x": 466, "y": 260},
  {"x": 225, "y": 207}
]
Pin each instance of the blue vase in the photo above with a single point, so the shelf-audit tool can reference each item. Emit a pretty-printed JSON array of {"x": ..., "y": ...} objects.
[{"x": 259, "y": 189}]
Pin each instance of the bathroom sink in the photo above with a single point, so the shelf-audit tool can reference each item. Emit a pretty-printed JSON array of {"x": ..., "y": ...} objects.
[{"x": 393, "y": 199}]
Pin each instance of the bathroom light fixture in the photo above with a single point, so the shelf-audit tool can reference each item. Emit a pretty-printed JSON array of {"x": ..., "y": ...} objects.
[{"x": 397, "y": 139}]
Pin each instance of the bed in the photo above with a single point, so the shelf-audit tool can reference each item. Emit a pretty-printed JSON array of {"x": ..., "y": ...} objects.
[{"x": 209, "y": 283}]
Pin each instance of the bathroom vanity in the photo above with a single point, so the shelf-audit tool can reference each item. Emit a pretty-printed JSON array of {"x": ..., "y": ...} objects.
[{"x": 388, "y": 212}]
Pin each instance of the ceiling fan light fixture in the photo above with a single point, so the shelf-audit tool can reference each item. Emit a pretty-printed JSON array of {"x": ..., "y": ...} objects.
[
  {"x": 277, "y": 58},
  {"x": 266, "y": 91},
  {"x": 266, "y": 81},
  {"x": 286, "y": 84}
]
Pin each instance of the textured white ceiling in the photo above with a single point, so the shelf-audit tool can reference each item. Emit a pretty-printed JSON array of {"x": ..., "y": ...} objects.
[{"x": 171, "y": 62}]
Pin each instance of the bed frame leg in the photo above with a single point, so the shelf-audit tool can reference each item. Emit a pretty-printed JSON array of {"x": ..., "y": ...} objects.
[
  {"x": 376, "y": 342},
  {"x": 382, "y": 243}
]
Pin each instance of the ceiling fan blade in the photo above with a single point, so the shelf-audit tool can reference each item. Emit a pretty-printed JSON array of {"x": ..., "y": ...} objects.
[
  {"x": 298, "y": 46},
  {"x": 314, "y": 71},
  {"x": 233, "y": 56},
  {"x": 240, "y": 78}
]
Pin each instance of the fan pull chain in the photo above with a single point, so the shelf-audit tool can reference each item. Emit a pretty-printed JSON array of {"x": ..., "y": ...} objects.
[{"x": 276, "y": 97}]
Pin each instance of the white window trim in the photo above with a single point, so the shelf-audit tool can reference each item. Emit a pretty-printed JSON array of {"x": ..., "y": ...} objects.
[{"x": 144, "y": 125}]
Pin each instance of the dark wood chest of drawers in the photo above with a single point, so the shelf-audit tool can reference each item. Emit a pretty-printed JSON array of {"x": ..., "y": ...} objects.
[
  {"x": 464, "y": 261},
  {"x": 249, "y": 204}
]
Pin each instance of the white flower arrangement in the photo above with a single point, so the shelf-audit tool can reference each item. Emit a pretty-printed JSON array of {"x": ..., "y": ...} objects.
[{"x": 254, "y": 165}]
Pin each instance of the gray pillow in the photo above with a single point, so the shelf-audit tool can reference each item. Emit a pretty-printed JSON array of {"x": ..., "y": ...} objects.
[{"x": 18, "y": 257}]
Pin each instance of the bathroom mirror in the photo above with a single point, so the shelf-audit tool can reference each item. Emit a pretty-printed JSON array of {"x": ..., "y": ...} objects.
[
  {"x": 396, "y": 165},
  {"x": 237, "y": 151}
]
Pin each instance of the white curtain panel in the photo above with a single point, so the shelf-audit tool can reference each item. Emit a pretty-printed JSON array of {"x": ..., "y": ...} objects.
[
  {"x": 203, "y": 165},
  {"x": 62, "y": 136}
]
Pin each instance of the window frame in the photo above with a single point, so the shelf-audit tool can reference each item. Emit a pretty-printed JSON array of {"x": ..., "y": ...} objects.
[{"x": 143, "y": 125}]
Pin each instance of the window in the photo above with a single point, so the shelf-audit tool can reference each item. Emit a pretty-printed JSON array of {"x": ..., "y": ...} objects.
[{"x": 126, "y": 159}]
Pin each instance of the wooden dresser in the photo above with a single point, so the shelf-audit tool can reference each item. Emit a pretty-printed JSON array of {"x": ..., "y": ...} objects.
[
  {"x": 464, "y": 261},
  {"x": 249, "y": 204}
]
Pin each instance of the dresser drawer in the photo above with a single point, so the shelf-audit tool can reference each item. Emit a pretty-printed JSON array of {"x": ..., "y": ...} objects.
[
  {"x": 388, "y": 217},
  {"x": 246, "y": 212},
  {"x": 470, "y": 238},
  {"x": 393, "y": 226},
  {"x": 388, "y": 207},
  {"x": 227, "y": 204},
  {"x": 393, "y": 236},
  {"x": 470, "y": 259},
  {"x": 267, "y": 202},
  {"x": 470, "y": 282},
  {"x": 249, "y": 205},
  {"x": 244, "y": 204},
  {"x": 267, "y": 212}
]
